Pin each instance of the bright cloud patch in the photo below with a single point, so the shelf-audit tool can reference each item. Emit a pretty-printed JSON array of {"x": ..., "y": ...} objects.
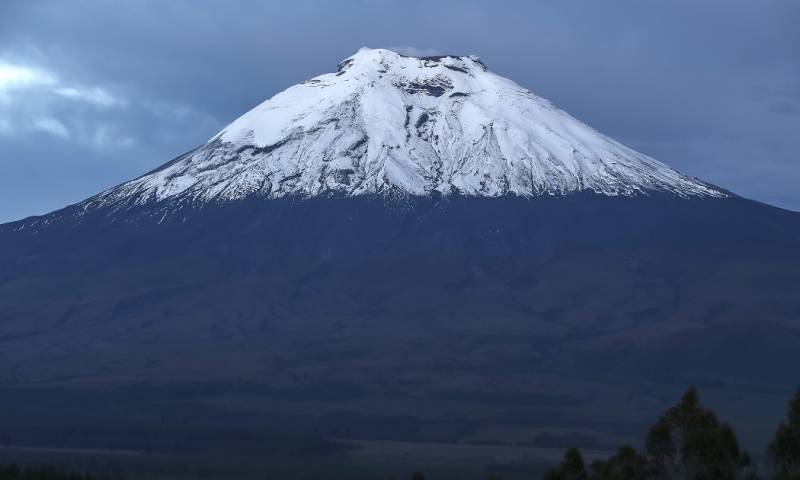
[
  {"x": 52, "y": 126},
  {"x": 96, "y": 96},
  {"x": 15, "y": 76},
  {"x": 37, "y": 101}
]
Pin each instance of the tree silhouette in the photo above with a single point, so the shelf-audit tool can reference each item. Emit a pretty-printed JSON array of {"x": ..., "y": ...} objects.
[
  {"x": 571, "y": 468},
  {"x": 626, "y": 464},
  {"x": 784, "y": 450},
  {"x": 688, "y": 441}
]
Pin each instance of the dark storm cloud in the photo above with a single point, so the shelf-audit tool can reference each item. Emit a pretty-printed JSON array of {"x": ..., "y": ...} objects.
[{"x": 95, "y": 92}]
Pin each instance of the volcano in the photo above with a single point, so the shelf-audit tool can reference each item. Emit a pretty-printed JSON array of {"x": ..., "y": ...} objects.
[{"x": 402, "y": 243}]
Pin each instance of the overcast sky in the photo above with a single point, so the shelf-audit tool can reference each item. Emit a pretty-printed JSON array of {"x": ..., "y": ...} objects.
[{"x": 93, "y": 93}]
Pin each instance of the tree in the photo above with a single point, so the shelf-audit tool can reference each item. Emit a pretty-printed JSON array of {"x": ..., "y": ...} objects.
[
  {"x": 784, "y": 450},
  {"x": 626, "y": 464},
  {"x": 571, "y": 468},
  {"x": 661, "y": 452},
  {"x": 688, "y": 441}
]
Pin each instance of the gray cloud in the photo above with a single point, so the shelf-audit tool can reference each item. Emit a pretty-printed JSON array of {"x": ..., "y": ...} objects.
[{"x": 712, "y": 88}]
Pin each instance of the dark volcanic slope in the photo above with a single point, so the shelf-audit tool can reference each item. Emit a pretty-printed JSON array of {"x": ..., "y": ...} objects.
[
  {"x": 432, "y": 294},
  {"x": 403, "y": 249}
]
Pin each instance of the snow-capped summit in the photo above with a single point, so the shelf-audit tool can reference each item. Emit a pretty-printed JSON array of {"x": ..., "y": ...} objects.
[{"x": 390, "y": 123}]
